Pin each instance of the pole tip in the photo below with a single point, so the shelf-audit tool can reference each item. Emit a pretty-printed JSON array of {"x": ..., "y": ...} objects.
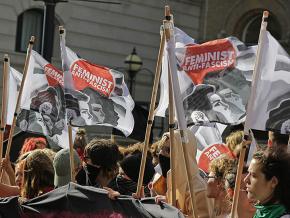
[
  {"x": 61, "y": 30},
  {"x": 32, "y": 38},
  {"x": 6, "y": 58},
  {"x": 167, "y": 12},
  {"x": 266, "y": 14}
]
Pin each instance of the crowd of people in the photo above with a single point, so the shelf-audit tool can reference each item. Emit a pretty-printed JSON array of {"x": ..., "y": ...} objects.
[{"x": 264, "y": 190}]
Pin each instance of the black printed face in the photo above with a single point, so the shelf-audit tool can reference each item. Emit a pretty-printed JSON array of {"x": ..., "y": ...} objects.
[{"x": 97, "y": 111}]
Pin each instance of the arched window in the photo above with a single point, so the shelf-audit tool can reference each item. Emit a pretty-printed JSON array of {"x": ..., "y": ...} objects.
[
  {"x": 248, "y": 28},
  {"x": 29, "y": 23}
]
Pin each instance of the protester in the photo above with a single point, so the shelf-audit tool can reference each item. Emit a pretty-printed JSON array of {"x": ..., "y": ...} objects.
[
  {"x": 32, "y": 144},
  {"x": 278, "y": 140},
  {"x": 127, "y": 179},
  {"x": 215, "y": 186},
  {"x": 268, "y": 182},
  {"x": 80, "y": 142},
  {"x": 62, "y": 168},
  {"x": 38, "y": 175},
  {"x": 100, "y": 163},
  {"x": 245, "y": 208},
  {"x": 183, "y": 200}
]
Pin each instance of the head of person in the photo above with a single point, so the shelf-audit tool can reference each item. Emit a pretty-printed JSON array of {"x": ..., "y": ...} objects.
[
  {"x": 127, "y": 179},
  {"x": 33, "y": 143},
  {"x": 278, "y": 140},
  {"x": 215, "y": 182},
  {"x": 38, "y": 174},
  {"x": 101, "y": 158},
  {"x": 80, "y": 142},
  {"x": 233, "y": 141},
  {"x": 62, "y": 167},
  {"x": 268, "y": 177},
  {"x": 130, "y": 167},
  {"x": 130, "y": 164}
]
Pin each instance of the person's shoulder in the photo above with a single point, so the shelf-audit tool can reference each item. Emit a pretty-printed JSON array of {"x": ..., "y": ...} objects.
[{"x": 286, "y": 216}]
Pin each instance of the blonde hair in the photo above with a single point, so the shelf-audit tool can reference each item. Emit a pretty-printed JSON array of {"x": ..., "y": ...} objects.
[
  {"x": 137, "y": 147},
  {"x": 234, "y": 139},
  {"x": 220, "y": 166}
]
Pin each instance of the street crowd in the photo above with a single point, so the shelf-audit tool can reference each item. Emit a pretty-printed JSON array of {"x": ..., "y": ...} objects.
[{"x": 264, "y": 189}]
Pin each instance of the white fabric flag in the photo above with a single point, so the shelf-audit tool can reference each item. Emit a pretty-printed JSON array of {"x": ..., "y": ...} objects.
[
  {"x": 14, "y": 81},
  {"x": 95, "y": 95},
  {"x": 271, "y": 107},
  {"x": 42, "y": 103},
  {"x": 214, "y": 79}
]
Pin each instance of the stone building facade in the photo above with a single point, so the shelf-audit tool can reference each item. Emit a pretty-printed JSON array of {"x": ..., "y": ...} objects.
[{"x": 101, "y": 33}]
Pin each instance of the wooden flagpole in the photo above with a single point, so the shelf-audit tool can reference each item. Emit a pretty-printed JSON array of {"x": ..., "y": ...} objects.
[
  {"x": 171, "y": 124},
  {"x": 172, "y": 146},
  {"x": 168, "y": 25},
  {"x": 150, "y": 115},
  {"x": 71, "y": 154},
  {"x": 113, "y": 137},
  {"x": 246, "y": 129},
  {"x": 4, "y": 102},
  {"x": 25, "y": 69}
]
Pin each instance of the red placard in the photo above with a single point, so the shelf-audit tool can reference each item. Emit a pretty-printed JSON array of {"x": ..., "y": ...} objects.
[
  {"x": 90, "y": 75},
  {"x": 210, "y": 153},
  {"x": 208, "y": 57},
  {"x": 54, "y": 76}
]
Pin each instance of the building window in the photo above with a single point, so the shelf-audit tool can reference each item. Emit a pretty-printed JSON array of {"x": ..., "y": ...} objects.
[
  {"x": 248, "y": 29},
  {"x": 29, "y": 23}
]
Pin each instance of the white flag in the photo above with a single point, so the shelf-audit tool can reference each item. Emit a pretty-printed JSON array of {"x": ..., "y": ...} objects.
[
  {"x": 14, "y": 81},
  {"x": 94, "y": 94},
  {"x": 270, "y": 109},
  {"x": 42, "y": 103},
  {"x": 214, "y": 79}
]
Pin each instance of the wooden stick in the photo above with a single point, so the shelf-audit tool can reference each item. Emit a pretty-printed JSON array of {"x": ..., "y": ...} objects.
[
  {"x": 150, "y": 115},
  {"x": 25, "y": 69},
  {"x": 4, "y": 102},
  {"x": 71, "y": 154},
  {"x": 250, "y": 103},
  {"x": 238, "y": 181},
  {"x": 113, "y": 138},
  {"x": 172, "y": 146},
  {"x": 171, "y": 127},
  {"x": 180, "y": 117}
]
